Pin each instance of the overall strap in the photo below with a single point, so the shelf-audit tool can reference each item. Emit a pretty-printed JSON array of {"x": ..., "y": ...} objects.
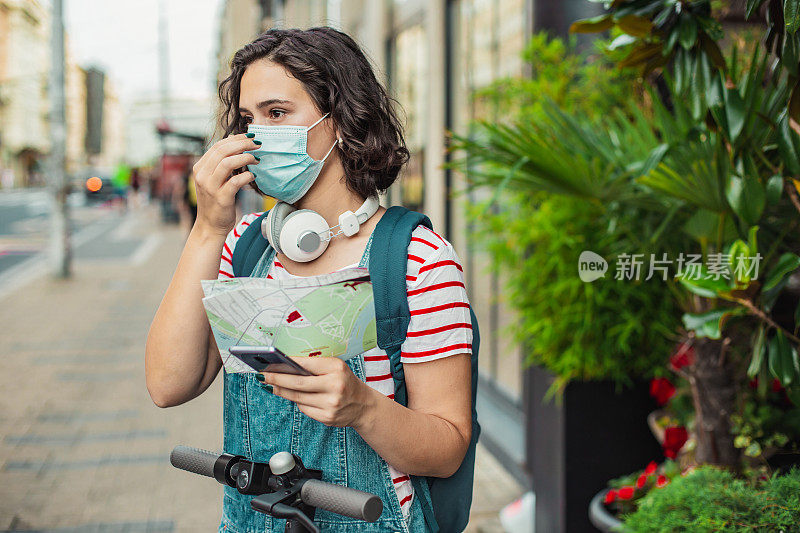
[
  {"x": 364, "y": 263},
  {"x": 249, "y": 248}
]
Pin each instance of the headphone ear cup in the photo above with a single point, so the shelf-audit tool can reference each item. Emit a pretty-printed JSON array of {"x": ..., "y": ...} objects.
[
  {"x": 301, "y": 226},
  {"x": 271, "y": 226}
]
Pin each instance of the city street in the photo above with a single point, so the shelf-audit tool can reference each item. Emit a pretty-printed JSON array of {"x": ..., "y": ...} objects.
[
  {"x": 84, "y": 448},
  {"x": 99, "y": 231},
  {"x": 624, "y": 235}
]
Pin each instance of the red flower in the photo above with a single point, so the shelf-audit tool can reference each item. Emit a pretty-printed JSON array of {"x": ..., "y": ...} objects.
[
  {"x": 683, "y": 356},
  {"x": 662, "y": 390},
  {"x": 651, "y": 468},
  {"x": 776, "y": 385},
  {"x": 753, "y": 383},
  {"x": 641, "y": 482},
  {"x": 662, "y": 481},
  {"x": 674, "y": 439},
  {"x": 625, "y": 493},
  {"x": 611, "y": 495}
]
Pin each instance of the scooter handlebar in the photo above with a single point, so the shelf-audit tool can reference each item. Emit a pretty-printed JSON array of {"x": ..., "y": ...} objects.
[
  {"x": 341, "y": 500},
  {"x": 335, "y": 498},
  {"x": 194, "y": 460}
]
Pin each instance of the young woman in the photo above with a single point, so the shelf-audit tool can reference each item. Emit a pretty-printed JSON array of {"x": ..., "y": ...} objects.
[{"x": 343, "y": 420}]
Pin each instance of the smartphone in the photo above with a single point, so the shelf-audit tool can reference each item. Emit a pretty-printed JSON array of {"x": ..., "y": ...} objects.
[{"x": 267, "y": 359}]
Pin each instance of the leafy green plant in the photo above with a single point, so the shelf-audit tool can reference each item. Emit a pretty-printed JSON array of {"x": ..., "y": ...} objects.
[
  {"x": 581, "y": 82},
  {"x": 711, "y": 499},
  {"x": 682, "y": 37},
  {"x": 769, "y": 421},
  {"x": 708, "y": 166},
  {"x": 603, "y": 331}
]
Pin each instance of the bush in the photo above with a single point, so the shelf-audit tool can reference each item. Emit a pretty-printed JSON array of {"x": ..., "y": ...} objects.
[
  {"x": 609, "y": 329},
  {"x": 604, "y": 330},
  {"x": 587, "y": 83},
  {"x": 710, "y": 499}
]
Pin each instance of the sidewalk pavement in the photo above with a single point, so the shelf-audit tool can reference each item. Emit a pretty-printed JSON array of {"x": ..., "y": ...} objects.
[{"x": 84, "y": 447}]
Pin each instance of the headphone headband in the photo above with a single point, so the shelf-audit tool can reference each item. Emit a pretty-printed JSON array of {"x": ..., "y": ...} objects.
[
  {"x": 298, "y": 234},
  {"x": 367, "y": 209}
]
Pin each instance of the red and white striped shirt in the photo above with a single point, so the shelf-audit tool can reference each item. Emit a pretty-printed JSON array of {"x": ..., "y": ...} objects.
[{"x": 440, "y": 323}]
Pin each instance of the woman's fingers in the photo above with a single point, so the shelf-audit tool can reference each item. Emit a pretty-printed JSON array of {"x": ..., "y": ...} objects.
[
  {"x": 215, "y": 203},
  {"x": 321, "y": 365},
  {"x": 236, "y": 182},
  {"x": 298, "y": 396},
  {"x": 236, "y": 147},
  {"x": 228, "y": 165},
  {"x": 313, "y": 404},
  {"x": 320, "y": 415},
  {"x": 235, "y": 144},
  {"x": 298, "y": 383},
  {"x": 232, "y": 144}
]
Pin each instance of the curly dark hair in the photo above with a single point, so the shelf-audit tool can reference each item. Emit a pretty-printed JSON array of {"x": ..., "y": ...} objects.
[{"x": 340, "y": 80}]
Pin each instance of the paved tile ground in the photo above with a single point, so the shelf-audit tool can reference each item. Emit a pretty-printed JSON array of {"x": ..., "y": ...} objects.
[{"x": 83, "y": 446}]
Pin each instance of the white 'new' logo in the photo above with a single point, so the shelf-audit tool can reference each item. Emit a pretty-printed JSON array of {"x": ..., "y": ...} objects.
[{"x": 591, "y": 266}]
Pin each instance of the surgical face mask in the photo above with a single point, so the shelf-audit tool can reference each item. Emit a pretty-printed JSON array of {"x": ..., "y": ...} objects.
[{"x": 285, "y": 170}]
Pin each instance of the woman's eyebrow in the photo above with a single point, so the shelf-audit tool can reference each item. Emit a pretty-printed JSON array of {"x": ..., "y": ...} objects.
[{"x": 266, "y": 103}]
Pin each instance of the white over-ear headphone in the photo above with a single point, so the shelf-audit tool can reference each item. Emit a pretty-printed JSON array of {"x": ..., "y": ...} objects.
[{"x": 302, "y": 235}]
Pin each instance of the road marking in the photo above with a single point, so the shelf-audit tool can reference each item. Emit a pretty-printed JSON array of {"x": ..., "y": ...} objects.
[
  {"x": 72, "y": 439},
  {"x": 18, "y": 276},
  {"x": 72, "y": 417},
  {"x": 94, "y": 376},
  {"x": 25, "y": 272},
  {"x": 146, "y": 249},
  {"x": 84, "y": 463},
  {"x": 125, "y": 230},
  {"x": 156, "y": 526}
]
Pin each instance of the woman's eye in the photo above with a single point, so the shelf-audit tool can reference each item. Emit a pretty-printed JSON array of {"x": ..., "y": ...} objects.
[
  {"x": 247, "y": 119},
  {"x": 272, "y": 111}
]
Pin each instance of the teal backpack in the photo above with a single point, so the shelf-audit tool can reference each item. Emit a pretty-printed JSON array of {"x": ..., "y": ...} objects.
[{"x": 388, "y": 257}]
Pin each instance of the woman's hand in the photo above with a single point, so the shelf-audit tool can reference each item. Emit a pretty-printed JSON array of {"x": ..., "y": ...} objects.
[
  {"x": 216, "y": 188},
  {"x": 334, "y": 396}
]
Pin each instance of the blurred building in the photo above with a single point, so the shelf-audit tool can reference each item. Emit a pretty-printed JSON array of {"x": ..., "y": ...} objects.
[
  {"x": 187, "y": 115},
  {"x": 75, "y": 111},
  {"x": 95, "y": 121},
  {"x": 94, "y": 118},
  {"x": 24, "y": 62},
  {"x": 240, "y": 21}
]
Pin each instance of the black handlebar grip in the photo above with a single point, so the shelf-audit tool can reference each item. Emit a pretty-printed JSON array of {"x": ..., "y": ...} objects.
[
  {"x": 194, "y": 460},
  {"x": 341, "y": 500}
]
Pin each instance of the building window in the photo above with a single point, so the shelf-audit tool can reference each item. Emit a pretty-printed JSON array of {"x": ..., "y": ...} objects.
[
  {"x": 488, "y": 40},
  {"x": 409, "y": 74}
]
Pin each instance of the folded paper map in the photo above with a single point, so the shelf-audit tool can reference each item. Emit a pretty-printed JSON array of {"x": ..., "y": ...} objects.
[{"x": 330, "y": 315}]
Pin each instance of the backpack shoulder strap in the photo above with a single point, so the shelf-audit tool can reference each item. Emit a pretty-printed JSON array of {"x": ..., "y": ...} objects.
[
  {"x": 388, "y": 259},
  {"x": 249, "y": 248}
]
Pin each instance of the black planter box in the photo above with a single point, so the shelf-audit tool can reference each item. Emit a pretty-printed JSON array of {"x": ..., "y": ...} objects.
[{"x": 573, "y": 448}]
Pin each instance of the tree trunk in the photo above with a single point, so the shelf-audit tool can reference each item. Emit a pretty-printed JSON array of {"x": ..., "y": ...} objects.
[{"x": 714, "y": 395}]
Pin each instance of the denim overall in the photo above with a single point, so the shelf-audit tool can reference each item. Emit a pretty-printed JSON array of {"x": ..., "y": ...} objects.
[{"x": 258, "y": 424}]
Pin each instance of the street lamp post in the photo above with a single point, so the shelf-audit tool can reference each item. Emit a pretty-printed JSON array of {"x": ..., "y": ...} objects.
[{"x": 59, "y": 244}]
